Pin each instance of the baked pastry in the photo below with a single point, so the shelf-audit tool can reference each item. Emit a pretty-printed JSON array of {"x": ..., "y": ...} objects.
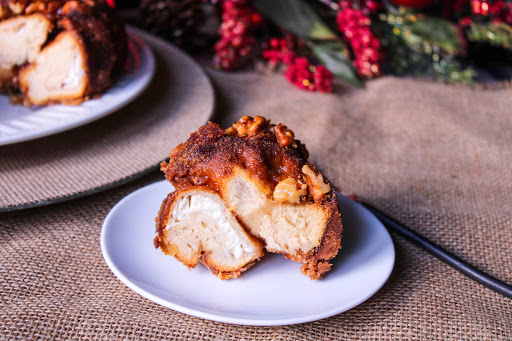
[
  {"x": 197, "y": 225},
  {"x": 59, "y": 51},
  {"x": 262, "y": 175}
]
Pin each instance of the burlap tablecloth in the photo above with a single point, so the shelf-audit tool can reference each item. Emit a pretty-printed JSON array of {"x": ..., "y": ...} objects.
[{"x": 436, "y": 157}]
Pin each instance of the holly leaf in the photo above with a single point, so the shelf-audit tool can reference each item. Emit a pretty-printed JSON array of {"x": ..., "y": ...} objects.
[
  {"x": 296, "y": 16},
  {"x": 333, "y": 55},
  {"x": 439, "y": 31}
]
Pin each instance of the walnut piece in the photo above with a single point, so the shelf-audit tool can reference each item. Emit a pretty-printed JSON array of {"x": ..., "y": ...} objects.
[
  {"x": 35, "y": 7},
  {"x": 289, "y": 190},
  {"x": 318, "y": 187},
  {"x": 247, "y": 126},
  {"x": 284, "y": 135},
  {"x": 16, "y": 7}
]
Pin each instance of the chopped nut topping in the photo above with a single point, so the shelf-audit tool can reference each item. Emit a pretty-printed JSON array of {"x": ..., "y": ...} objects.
[
  {"x": 35, "y": 7},
  {"x": 284, "y": 135},
  {"x": 16, "y": 7},
  {"x": 247, "y": 126},
  {"x": 289, "y": 190},
  {"x": 317, "y": 185}
]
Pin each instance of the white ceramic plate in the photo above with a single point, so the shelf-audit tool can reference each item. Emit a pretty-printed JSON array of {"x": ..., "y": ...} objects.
[
  {"x": 18, "y": 123},
  {"x": 273, "y": 292}
]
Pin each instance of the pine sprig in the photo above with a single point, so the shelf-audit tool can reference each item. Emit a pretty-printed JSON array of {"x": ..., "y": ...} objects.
[
  {"x": 496, "y": 34},
  {"x": 413, "y": 46}
]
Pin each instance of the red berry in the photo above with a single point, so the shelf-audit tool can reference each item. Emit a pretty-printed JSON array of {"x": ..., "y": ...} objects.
[
  {"x": 480, "y": 7},
  {"x": 355, "y": 26},
  {"x": 239, "y": 20},
  {"x": 303, "y": 75},
  {"x": 466, "y": 21},
  {"x": 417, "y": 4}
]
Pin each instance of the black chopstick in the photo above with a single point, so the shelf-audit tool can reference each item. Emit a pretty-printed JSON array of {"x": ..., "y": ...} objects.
[{"x": 437, "y": 251}]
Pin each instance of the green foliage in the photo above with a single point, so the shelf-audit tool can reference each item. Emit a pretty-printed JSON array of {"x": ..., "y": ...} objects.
[
  {"x": 298, "y": 17},
  {"x": 497, "y": 34},
  {"x": 439, "y": 31},
  {"x": 334, "y": 58},
  {"x": 423, "y": 46}
]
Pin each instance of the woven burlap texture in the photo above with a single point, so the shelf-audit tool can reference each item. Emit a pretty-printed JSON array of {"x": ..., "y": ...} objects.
[
  {"x": 434, "y": 156},
  {"x": 127, "y": 143}
]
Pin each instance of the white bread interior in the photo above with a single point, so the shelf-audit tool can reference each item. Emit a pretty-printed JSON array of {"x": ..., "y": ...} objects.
[
  {"x": 57, "y": 73},
  {"x": 21, "y": 39},
  {"x": 200, "y": 227},
  {"x": 285, "y": 227}
]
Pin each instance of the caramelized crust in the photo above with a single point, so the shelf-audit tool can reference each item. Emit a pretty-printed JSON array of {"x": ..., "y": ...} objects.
[
  {"x": 104, "y": 38},
  {"x": 211, "y": 154},
  {"x": 272, "y": 161},
  {"x": 11, "y": 8}
]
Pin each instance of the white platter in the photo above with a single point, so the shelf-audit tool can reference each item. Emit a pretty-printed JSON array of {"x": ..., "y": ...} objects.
[
  {"x": 273, "y": 292},
  {"x": 19, "y": 123}
]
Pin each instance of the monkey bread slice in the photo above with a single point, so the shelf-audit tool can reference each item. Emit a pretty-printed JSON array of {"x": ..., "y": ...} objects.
[
  {"x": 195, "y": 225},
  {"x": 58, "y": 73},
  {"x": 262, "y": 175}
]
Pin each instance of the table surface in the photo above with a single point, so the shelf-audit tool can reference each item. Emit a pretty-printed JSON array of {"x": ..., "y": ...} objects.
[{"x": 434, "y": 156}]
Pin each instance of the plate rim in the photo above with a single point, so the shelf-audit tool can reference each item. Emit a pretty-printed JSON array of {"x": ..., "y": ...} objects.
[
  {"x": 222, "y": 318},
  {"x": 146, "y": 80}
]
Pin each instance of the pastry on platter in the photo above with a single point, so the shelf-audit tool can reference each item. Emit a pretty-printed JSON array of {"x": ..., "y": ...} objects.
[
  {"x": 59, "y": 51},
  {"x": 259, "y": 176}
]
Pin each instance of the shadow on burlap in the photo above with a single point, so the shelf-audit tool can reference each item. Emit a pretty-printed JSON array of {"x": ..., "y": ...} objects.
[{"x": 436, "y": 157}]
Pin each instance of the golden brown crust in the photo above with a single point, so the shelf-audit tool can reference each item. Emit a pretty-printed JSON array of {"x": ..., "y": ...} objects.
[
  {"x": 8, "y": 79},
  {"x": 104, "y": 39},
  {"x": 211, "y": 155},
  {"x": 161, "y": 222},
  {"x": 224, "y": 274},
  {"x": 317, "y": 264}
]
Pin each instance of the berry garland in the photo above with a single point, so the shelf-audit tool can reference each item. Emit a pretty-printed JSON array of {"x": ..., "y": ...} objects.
[
  {"x": 304, "y": 75},
  {"x": 355, "y": 23},
  {"x": 237, "y": 40},
  {"x": 299, "y": 70},
  {"x": 280, "y": 50},
  {"x": 314, "y": 42},
  {"x": 500, "y": 10}
]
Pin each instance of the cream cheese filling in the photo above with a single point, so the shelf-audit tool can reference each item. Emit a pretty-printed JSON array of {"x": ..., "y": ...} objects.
[
  {"x": 76, "y": 73},
  {"x": 205, "y": 205}
]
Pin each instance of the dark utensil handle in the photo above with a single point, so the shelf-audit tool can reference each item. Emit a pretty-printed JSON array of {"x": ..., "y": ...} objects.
[{"x": 437, "y": 251}]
